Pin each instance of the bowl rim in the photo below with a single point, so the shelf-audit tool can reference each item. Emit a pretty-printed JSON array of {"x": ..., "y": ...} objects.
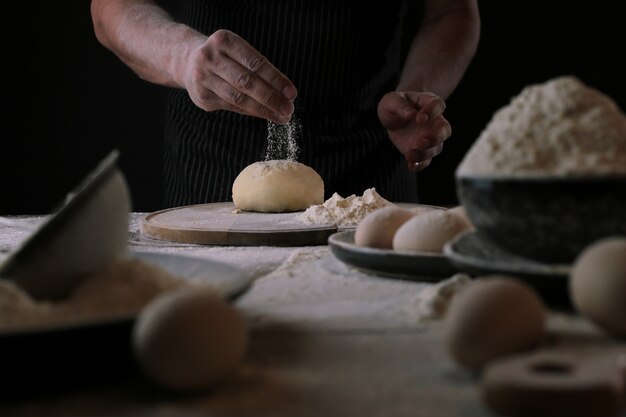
[{"x": 538, "y": 178}]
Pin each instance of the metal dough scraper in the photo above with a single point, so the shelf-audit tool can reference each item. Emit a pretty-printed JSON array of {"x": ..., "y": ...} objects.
[{"x": 88, "y": 229}]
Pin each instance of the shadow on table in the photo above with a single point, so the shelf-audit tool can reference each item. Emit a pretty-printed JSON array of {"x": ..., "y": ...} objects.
[{"x": 41, "y": 364}]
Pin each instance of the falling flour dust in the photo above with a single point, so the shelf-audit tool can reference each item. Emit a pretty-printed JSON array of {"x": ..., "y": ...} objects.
[{"x": 282, "y": 140}]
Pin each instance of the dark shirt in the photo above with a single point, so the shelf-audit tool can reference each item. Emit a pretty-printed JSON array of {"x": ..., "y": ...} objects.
[{"x": 342, "y": 55}]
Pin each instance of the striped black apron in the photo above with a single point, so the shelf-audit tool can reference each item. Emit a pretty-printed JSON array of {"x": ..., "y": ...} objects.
[{"x": 342, "y": 55}]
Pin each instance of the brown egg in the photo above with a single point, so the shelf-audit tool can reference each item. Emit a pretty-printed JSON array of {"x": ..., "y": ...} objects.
[
  {"x": 597, "y": 284},
  {"x": 493, "y": 316},
  {"x": 377, "y": 228},
  {"x": 428, "y": 232},
  {"x": 460, "y": 212},
  {"x": 189, "y": 339}
]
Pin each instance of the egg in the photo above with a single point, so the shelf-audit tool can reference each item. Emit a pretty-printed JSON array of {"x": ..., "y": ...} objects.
[
  {"x": 460, "y": 212},
  {"x": 597, "y": 284},
  {"x": 378, "y": 227},
  {"x": 491, "y": 317},
  {"x": 428, "y": 231},
  {"x": 189, "y": 339}
]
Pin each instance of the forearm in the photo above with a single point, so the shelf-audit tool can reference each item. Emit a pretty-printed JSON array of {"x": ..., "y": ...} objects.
[
  {"x": 145, "y": 38},
  {"x": 441, "y": 51}
]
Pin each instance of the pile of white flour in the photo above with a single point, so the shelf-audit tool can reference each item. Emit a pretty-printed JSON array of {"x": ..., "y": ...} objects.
[
  {"x": 559, "y": 128},
  {"x": 344, "y": 211},
  {"x": 122, "y": 288}
]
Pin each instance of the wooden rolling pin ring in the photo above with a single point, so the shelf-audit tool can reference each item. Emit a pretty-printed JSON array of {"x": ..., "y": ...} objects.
[{"x": 556, "y": 382}]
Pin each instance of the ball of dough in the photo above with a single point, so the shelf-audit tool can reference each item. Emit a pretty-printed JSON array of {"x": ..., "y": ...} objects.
[
  {"x": 277, "y": 186},
  {"x": 428, "y": 231},
  {"x": 189, "y": 339},
  {"x": 491, "y": 317},
  {"x": 597, "y": 284},
  {"x": 377, "y": 228}
]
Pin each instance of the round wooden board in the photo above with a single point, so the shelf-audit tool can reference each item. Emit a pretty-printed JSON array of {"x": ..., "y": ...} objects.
[{"x": 218, "y": 224}]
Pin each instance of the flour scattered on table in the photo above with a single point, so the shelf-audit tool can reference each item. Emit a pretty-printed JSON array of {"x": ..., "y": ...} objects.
[
  {"x": 433, "y": 300},
  {"x": 313, "y": 290},
  {"x": 341, "y": 211}
]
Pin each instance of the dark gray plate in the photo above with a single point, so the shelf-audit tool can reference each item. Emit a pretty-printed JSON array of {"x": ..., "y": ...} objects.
[
  {"x": 475, "y": 254},
  {"x": 414, "y": 266}
]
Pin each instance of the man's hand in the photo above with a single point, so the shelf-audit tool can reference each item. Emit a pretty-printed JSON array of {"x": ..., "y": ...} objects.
[
  {"x": 416, "y": 125},
  {"x": 226, "y": 73}
]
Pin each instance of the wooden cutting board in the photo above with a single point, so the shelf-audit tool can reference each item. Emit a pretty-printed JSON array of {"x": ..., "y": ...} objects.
[{"x": 219, "y": 224}]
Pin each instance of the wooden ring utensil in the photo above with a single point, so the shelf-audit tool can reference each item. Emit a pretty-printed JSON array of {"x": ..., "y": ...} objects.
[{"x": 574, "y": 381}]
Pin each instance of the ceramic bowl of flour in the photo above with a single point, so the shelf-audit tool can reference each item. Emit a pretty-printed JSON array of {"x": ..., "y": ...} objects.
[
  {"x": 546, "y": 219},
  {"x": 547, "y": 175}
]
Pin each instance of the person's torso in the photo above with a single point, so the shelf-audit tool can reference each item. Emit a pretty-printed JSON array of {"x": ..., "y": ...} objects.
[{"x": 341, "y": 54}]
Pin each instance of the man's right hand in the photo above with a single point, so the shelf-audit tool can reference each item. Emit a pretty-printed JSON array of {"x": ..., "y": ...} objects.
[{"x": 226, "y": 73}]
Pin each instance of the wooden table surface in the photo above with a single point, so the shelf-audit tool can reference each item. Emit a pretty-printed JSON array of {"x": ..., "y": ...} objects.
[{"x": 331, "y": 357}]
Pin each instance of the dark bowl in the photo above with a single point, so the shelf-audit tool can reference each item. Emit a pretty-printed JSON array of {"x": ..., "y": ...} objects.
[{"x": 547, "y": 219}]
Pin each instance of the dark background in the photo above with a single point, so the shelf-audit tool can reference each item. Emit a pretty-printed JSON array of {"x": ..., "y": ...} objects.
[{"x": 67, "y": 101}]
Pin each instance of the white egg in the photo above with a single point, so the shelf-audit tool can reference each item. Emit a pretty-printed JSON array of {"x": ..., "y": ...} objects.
[
  {"x": 491, "y": 317},
  {"x": 377, "y": 228},
  {"x": 597, "y": 284},
  {"x": 428, "y": 231},
  {"x": 189, "y": 339}
]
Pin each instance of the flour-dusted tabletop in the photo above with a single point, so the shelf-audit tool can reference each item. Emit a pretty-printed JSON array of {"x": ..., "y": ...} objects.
[{"x": 325, "y": 339}]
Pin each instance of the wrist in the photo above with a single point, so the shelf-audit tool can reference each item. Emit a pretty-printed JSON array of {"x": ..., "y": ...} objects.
[
  {"x": 406, "y": 85},
  {"x": 181, "y": 56}
]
